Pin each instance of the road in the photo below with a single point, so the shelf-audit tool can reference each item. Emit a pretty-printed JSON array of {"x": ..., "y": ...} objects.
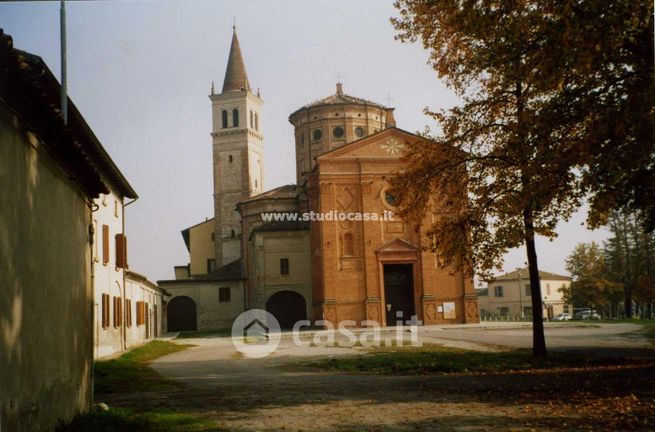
[{"x": 278, "y": 392}]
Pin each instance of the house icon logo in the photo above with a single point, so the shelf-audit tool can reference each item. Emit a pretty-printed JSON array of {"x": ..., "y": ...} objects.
[
  {"x": 256, "y": 333},
  {"x": 255, "y": 329}
]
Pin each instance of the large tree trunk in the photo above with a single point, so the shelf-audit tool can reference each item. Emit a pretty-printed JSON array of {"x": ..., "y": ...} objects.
[{"x": 538, "y": 338}]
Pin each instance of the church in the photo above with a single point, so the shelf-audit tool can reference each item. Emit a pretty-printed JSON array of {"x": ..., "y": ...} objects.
[{"x": 263, "y": 250}]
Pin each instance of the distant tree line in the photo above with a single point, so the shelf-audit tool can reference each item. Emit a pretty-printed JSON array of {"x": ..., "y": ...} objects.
[{"x": 617, "y": 278}]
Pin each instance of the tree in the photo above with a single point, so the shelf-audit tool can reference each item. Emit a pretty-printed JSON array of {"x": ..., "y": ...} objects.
[
  {"x": 589, "y": 287},
  {"x": 540, "y": 87},
  {"x": 630, "y": 258},
  {"x": 517, "y": 169},
  {"x": 606, "y": 52}
]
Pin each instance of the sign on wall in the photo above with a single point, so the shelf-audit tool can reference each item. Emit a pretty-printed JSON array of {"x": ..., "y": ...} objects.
[{"x": 449, "y": 310}]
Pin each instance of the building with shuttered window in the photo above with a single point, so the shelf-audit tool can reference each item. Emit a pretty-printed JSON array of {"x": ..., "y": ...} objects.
[{"x": 127, "y": 306}]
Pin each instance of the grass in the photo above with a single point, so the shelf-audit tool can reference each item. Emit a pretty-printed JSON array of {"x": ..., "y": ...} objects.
[
  {"x": 437, "y": 359},
  {"x": 120, "y": 420},
  {"x": 131, "y": 371}
]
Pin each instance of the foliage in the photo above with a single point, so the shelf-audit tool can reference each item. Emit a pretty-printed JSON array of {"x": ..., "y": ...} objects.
[
  {"x": 557, "y": 105},
  {"x": 589, "y": 287},
  {"x": 606, "y": 68},
  {"x": 630, "y": 257},
  {"x": 500, "y": 145},
  {"x": 130, "y": 372}
]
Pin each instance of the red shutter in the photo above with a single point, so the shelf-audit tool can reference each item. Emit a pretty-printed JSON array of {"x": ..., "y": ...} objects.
[
  {"x": 120, "y": 311},
  {"x": 105, "y": 310},
  {"x": 105, "y": 244},
  {"x": 128, "y": 319},
  {"x": 121, "y": 251}
]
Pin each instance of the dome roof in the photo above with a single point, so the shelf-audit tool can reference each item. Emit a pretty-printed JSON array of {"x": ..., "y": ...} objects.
[{"x": 339, "y": 98}]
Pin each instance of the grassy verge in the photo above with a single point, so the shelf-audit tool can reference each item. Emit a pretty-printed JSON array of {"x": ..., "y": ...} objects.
[
  {"x": 434, "y": 359},
  {"x": 120, "y": 420},
  {"x": 131, "y": 373}
]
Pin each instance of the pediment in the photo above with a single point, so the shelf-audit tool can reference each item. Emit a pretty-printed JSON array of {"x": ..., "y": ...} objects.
[
  {"x": 388, "y": 143},
  {"x": 397, "y": 245}
]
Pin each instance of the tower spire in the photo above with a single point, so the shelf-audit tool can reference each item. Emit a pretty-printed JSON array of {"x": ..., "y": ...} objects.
[{"x": 236, "y": 77}]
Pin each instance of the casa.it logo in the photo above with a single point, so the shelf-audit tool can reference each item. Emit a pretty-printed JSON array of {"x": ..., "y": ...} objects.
[{"x": 256, "y": 333}]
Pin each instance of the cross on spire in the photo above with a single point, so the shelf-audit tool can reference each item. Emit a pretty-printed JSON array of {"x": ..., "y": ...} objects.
[{"x": 338, "y": 77}]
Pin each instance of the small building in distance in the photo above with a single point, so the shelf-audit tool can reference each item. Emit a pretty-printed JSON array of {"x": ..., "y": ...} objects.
[{"x": 509, "y": 295}]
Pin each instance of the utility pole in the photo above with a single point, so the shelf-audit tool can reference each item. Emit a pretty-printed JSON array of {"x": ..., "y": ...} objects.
[{"x": 64, "y": 89}]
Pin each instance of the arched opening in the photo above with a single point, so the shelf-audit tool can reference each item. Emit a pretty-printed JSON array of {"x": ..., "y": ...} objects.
[
  {"x": 224, "y": 119},
  {"x": 288, "y": 307},
  {"x": 235, "y": 117},
  {"x": 181, "y": 313}
]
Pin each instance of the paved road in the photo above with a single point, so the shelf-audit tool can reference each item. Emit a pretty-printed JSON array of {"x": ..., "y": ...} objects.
[
  {"x": 276, "y": 392},
  {"x": 559, "y": 336}
]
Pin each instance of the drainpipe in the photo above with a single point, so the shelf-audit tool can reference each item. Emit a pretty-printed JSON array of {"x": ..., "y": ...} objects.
[{"x": 94, "y": 207}]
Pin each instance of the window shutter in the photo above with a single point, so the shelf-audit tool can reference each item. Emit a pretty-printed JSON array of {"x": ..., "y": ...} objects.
[
  {"x": 103, "y": 310},
  {"x": 120, "y": 311},
  {"x": 140, "y": 313},
  {"x": 105, "y": 244},
  {"x": 121, "y": 251}
]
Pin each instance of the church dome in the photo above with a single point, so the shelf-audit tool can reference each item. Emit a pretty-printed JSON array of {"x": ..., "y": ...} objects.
[
  {"x": 332, "y": 122},
  {"x": 339, "y": 98}
]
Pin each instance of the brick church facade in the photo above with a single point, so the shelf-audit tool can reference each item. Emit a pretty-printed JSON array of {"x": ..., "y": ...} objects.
[{"x": 335, "y": 270}]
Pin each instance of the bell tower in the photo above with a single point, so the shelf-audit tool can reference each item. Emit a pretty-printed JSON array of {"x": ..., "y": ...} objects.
[{"x": 238, "y": 153}]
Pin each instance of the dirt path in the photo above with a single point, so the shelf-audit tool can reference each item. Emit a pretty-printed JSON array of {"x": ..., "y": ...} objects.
[{"x": 278, "y": 393}]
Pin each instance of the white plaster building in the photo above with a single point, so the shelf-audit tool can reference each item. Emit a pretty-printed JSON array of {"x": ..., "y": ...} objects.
[
  {"x": 509, "y": 295},
  {"x": 127, "y": 306}
]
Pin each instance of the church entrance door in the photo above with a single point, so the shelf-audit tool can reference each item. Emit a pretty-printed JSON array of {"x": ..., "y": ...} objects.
[{"x": 398, "y": 292}]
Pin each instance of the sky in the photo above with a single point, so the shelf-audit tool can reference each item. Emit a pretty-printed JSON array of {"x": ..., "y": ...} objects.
[{"x": 140, "y": 73}]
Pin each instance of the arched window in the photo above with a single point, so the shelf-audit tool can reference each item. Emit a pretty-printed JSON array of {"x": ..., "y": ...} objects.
[
  {"x": 235, "y": 117},
  {"x": 256, "y": 121},
  {"x": 348, "y": 245},
  {"x": 224, "y": 118},
  {"x": 252, "y": 120}
]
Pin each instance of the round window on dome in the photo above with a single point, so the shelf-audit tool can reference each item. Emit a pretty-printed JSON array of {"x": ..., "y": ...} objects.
[
  {"x": 338, "y": 132},
  {"x": 359, "y": 132},
  {"x": 390, "y": 199},
  {"x": 317, "y": 134}
]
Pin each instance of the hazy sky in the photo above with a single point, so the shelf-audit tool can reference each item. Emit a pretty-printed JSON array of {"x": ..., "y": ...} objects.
[{"x": 140, "y": 73}]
